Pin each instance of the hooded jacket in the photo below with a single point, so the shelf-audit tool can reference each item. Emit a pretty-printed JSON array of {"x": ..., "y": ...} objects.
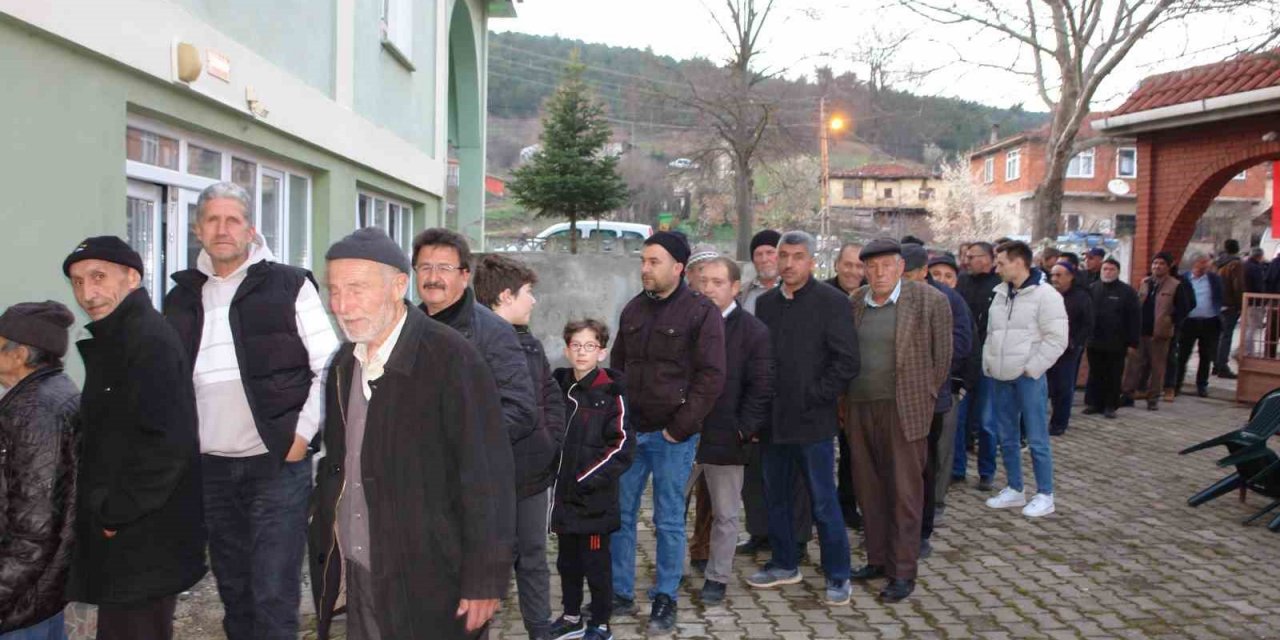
[
  {"x": 598, "y": 445},
  {"x": 39, "y": 445},
  {"x": 1026, "y": 330}
]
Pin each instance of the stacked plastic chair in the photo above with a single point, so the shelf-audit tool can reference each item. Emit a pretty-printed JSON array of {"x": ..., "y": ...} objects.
[{"x": 1257, "y": 467}]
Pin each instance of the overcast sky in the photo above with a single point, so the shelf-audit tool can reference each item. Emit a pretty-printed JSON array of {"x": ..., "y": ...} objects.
[{"x": 803, "y": 34}]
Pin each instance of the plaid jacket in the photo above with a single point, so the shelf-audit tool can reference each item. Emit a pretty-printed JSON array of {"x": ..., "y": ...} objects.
[{"x": 922, "y": 347}]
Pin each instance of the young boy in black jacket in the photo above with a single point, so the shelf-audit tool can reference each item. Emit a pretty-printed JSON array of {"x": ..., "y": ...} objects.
[{"x": 598, "y": 445}]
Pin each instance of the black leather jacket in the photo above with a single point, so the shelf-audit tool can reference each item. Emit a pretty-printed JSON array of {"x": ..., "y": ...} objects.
[{"x": 39, "y": 433}]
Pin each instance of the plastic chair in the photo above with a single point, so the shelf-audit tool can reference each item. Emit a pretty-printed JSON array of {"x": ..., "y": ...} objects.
[{"x": 1256, "y": 465}]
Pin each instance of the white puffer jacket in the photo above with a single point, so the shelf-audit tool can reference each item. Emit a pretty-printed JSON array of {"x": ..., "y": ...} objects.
[{"x": 1026, "y": 330}]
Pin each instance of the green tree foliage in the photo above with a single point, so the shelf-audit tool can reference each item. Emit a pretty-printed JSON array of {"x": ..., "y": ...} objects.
[{"x": 572, "y": 175}]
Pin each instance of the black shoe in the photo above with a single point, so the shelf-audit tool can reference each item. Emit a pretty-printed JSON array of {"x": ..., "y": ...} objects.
[
  {"x": 753, "y": 545},
  {"x": 598, "y": 632},
  {"x": 926, "y": 549},
  {"x": 699, "y": 565},
  {"x": 1226, "y": 374},
  {"x": 852, "y": 519},
  {"x": 1089, "y": 411},
  {"x": 1203, "y": 392},
  {"x": 712, "y": 593},
  {"x": 662, "y": 619},
  {"x": 897, "y": 590},
  {"x": 1153, "y": 406},
  {"x": 623, "y": 606},
  {"x": 563, "y": 629},
  {"x": 957, "y": 479},
  {"x": 866, "y": 572},
  {"x": 986, "y": 484},
  {"x": 802, "y": 552},
  {"x": 1057, "y": 431},
  {"x": 1126, "y": 401},
  {"x": 1109, "y": 414}
]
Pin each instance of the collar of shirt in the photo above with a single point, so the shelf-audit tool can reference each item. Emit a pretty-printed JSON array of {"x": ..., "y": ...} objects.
[
  {"x": 893, "y": 297},
  {"x": 373, "y": 368},
  {"x": 732, "y": 305}
]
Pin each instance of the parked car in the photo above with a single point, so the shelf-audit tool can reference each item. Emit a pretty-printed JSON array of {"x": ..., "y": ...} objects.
[
  {"x": 609, "y": 235},
  {"x": 682, "y": 163}
]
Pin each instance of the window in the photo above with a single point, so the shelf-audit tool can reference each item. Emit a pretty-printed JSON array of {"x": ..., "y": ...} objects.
[
  {"x": 204, "y": 162},
  {"x": 1081, "y": 166},
  {"x": 393, "y": 217},
  {"x": 926, "y": 193},
  {"x": 1243, "y": 175},
  {"x": 1126, "y": 224},
  {"x": 1012, "y": 165},
  {"x": 397, "y": 30},
  {"x": 852, "y": 189},
  {"x": 1126, "y": 163},
  {"x": 988, "y": 170},
  {"x": 151, "y": 148},
  {"x": 888, "y": 193},
  {"x": 1073, "y": 221}
]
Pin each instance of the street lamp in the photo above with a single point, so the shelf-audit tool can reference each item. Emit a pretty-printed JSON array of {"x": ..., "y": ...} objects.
[{"x": 825, "y": 126}]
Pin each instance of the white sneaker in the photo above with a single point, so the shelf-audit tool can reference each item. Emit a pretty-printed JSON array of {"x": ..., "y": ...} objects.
[
  {"x": 1007, "y": 498},
  {"x": 1041, "y": 505}
]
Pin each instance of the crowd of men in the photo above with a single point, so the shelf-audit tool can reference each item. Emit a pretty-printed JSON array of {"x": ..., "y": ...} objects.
[{"x": 451, "y": 447}]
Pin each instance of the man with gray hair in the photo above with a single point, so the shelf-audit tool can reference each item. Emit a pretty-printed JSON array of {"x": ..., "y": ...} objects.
[
  {"x": 1203, "y": 325},
  {"x": 816, "y": 351},
  {"x": 259, "y": 339}
]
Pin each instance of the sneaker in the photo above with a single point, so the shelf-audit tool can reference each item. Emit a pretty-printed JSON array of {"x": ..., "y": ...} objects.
[
  {"x": 713, "y": 593},
  {"x": 1041, "y": 505},
  {"x": 1007, "y": 498},
  {"x": 623, "y": 606},
  {"x": 1109, "y": 414},
  {"x": 838, "y": 592},
  {"x": 986, "y": 483},
  {"x": 771, "y": 576},
  {"x": 565, "y": 629},
  {"x": 662, "y": 618},
  {"x": 600, "y": 632},
  {"x": 1152, "y": 405}
]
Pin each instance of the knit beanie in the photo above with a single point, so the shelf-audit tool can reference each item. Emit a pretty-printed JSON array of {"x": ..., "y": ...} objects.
[
  {"x": 768, "y": 237},
  {"x": 675, "y": 245},
  {"x": 370, "y": 243},
  {"x": 42, "y": 325},
  {"x": 108, "y": 248}
]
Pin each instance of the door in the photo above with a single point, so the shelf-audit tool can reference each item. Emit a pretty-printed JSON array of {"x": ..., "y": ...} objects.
[
  {"x": 271, "y": 211},
  {"x": 183, "y": 240},
  {"x": 144, "y": 204}
]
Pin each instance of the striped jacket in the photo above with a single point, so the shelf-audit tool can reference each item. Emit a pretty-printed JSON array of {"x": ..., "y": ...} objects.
[{"x": 598, "y": 444}]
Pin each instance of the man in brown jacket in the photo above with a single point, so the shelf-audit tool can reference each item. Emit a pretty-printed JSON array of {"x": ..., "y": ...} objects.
[
  {"x": 904, "y": 329},
  {"x": 1162, "y": 312}
]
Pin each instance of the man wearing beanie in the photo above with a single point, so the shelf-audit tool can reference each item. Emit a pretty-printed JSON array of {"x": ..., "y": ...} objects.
[
  {"x": 764, "y": 257},
  {"x": 259, "y": 340},
  {"x": 670, "y": 346},
  {"x": 414, "y": 509},
  {"x": 1061, "y": 377},
  {"x": 139, "y": 522},
  {"x": 39, "y": 424}
]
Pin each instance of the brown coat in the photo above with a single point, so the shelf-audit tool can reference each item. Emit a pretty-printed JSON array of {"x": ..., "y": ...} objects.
[
  {"x": 922, "y": 346},
  {"x": 1232, "y": 274},
  {"x": 1166, "y": 297}
]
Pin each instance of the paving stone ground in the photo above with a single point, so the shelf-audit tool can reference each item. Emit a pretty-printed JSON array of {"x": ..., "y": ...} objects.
[{"x": 1123, "y": 557}]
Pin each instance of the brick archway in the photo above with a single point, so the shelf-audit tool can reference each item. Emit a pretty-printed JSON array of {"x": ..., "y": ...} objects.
[{"x": 1182, "y": 169}]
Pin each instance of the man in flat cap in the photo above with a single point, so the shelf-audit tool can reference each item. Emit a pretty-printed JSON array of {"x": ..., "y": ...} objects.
[
  {"x": 811, "y": 328},
  {"x": 39, "y": 428},
  {"x": 414, "y": 512},
  {"x": 139, "y": 520},
  {"x": 905, "y": 334},
  {"x": 670, "y": 345}
]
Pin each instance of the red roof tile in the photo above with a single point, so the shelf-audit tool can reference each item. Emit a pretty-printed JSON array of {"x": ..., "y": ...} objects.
[
  {"x": 885, "y": 170},
  {"x": 1246, "y": 73}
]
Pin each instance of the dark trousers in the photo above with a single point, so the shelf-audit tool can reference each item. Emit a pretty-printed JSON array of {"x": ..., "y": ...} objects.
[
  {"x": 1230, "y": 317},
  {"x": 700, "y": 543},
  {"x": 150, "y": 620},
  {"x": 533, "y": 577},
  {"x": 1062, "y": 386},
  {"x": 942, "y": 434},
  {"x": 1106, "y": 369},
  {"x": 844, "y": 480},
  {"x": 757, "y": 507},
  {"x": 586, "y": 556},
  {"x": 256, "y": 511},
  {"x": 890, "y": 485},
  {"x": 816, "y": 465},
  {"x": 1203, "y": 332},
  {"x": 1145, "y": 370},
  {"x": 362, "y": 611}
]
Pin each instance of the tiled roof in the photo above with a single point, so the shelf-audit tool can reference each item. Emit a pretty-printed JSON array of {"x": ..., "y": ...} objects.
[
  {"x": 885, "y": 170},
  {"x": 1246, "y": 73}
]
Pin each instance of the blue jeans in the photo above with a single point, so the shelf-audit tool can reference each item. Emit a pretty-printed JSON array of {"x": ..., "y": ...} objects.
[
  {"x": 1062, "y": 385},
  {"x": 51, "y": 629},
  {"x": 670, "y": 465},
  {"x": 816, "y": 463},
  {"x": 975, "y": 414},
  {"x": 1022, "y": 402},
  {"x": 256, "y": 511}
]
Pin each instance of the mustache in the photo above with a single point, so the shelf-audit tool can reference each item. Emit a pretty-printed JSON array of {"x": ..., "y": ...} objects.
[{"x": 434, "y": 285}]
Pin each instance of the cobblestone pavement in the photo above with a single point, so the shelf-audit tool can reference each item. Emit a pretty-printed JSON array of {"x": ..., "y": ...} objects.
[{"x": 1123, "y": 557}]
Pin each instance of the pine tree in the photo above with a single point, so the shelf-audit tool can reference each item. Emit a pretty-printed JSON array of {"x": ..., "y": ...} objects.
[{"x": 571, "y": 176}]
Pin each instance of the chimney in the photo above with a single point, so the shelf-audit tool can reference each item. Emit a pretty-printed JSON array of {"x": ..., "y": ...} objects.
[{"x": 995, "y": 133}]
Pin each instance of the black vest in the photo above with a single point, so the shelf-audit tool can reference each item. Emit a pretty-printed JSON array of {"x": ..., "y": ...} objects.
[{"x": 275, "y": 368}]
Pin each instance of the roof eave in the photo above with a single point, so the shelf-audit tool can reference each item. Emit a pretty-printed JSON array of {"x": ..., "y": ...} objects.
[{"x": 1226, "y": 107}]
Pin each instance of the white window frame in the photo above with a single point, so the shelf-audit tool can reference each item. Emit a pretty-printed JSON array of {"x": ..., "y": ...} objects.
[
  {"x": 397, "y": 30},
  {"x": 1120, "y": 152},
  {"x": 1012, "y": 165},
  {"x": 988, "y": 170},
  {"x": 181, "y": 179},
  {"x": 1243, "y": 175},
  {"x": 399, "y": 224},
  {"x": 1078, "y": 161}
]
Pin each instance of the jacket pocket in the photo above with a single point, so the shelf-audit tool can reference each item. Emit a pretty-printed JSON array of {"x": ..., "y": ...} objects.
[{"x": 669, "y": 343}]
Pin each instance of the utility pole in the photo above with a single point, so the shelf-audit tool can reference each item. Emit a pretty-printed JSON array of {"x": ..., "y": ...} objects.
[{"x": 825, "y": 181}]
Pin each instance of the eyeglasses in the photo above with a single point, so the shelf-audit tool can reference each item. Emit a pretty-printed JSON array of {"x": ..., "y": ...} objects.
[
  {"x": 584, "y": 347},
  {"x": 443, "y": 269}
]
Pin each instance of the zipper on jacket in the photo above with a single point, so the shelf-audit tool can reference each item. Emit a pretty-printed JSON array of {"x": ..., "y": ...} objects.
[
  {"x": 324, "y": 580},
  {"x": 551, "y": 504}
]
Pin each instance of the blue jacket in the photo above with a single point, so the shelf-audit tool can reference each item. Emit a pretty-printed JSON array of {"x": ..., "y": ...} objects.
[{"x": 962, "y": 331}]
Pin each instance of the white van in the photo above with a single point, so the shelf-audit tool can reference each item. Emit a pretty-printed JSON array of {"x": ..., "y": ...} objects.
[{"x": 607, "y": 233}]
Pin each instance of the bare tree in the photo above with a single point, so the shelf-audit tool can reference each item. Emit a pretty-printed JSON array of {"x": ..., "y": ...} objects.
[
  {"x": 1071, "y": 46},
  {"x": 966, "y": 210}
]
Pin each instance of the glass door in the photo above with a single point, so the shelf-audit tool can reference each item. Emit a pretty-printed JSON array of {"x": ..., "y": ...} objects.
[
  {"x": 143, "y": 204},
  {"x": 185, "y": 219},
  {"x": 271, "y": 212}
]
